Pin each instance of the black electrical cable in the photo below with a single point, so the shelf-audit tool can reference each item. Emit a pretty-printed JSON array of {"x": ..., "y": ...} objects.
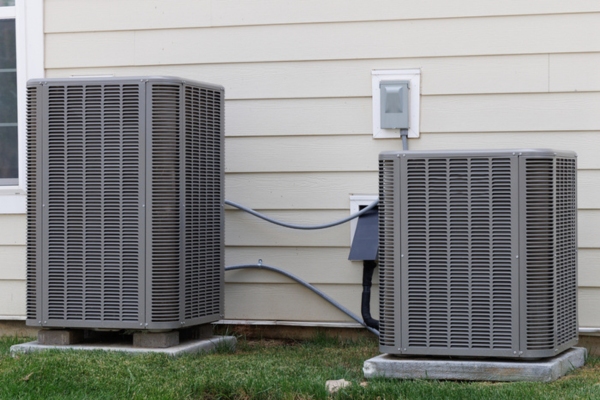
[
  {"x": 306, "y": 285},
  {"x": 365, "y": 305}
]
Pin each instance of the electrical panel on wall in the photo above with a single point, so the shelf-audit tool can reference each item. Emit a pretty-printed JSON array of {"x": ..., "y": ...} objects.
[{"x": 396, "y": 102}]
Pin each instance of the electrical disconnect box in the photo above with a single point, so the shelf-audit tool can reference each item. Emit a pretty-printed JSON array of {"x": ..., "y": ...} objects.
[{"x": 394, "y": 104}]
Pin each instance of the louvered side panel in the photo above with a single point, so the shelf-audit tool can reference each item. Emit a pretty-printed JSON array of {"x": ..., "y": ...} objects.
[
  {"x": 549, "y": 252},
  {"x": 415, "y": 310},
  {"x": 133, "y": 222},
  {"x": 165, "y": 228},
  {"x": 203, "y": 203},
  {"x": 114, "y": 231},
  {"x": 388, "y": 247},
  {"x": 55, "y": 251},
  {"x": 33, "y": 195},
  {"x": 458, "y": 277},
  {"x": 566, "y": 253},
  {"x": 540, "y": 280},
  {"x": 93, "y": 205}
]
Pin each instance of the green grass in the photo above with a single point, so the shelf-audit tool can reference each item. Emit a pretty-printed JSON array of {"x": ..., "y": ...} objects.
[{"x": 257, "y": 370}]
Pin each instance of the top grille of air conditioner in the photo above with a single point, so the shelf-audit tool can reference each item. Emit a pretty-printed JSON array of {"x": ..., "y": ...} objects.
[
  {"x": 478, "y": 253},
  {"x": 124, "y": 203}
]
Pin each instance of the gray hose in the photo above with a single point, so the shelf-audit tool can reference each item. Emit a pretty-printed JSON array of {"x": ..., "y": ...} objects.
[
  {"x": 304, "y": 227},
  {"x": 308, "y": 286}
]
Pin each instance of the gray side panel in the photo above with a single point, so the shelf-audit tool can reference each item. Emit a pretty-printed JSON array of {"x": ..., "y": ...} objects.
[
  {"x": 92, "y": 204},
  {"x": 203, "y": 219},
  {"x": 34, "y": 206},
  {"x": 389, "y": 259},
  {"x": 164, "y": 197},
  {"x": 566, "y": 236},
  {"x": 548, "y": 251},
  {"x": 185, "y": 188}
]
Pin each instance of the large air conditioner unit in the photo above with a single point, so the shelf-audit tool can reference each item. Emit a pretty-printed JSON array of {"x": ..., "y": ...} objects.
[
  {"x": 478, "y": 253},
  {"x": 125, "y": 203}
]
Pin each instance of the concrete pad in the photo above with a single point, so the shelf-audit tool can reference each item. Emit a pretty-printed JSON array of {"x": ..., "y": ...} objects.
[
  {"x": 60, "y": 337},
  {"x": 188, "y": 347},
  {"x": 157, "y": 340},
  {"x": 543, "y": 370}
]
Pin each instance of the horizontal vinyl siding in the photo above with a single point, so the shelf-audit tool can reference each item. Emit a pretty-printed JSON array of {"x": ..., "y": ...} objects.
[
  {"x": 12, "y": 260},
  {"x": 347, "y": 78},
  {"x": 13, "y": 230},
  {"x": 298, "y": 113},
  {"x": 291, "y": 302},
  {"x": 326, "y": 41},
  {"x": 359, "y": 153},
  {"x": 306, "y": 190},
  {"x": 12, "y": 265},
  {"x": 12, "y": 298},
  {"x": 69, "y": 15},
  {"x": 588, "y": 300}
]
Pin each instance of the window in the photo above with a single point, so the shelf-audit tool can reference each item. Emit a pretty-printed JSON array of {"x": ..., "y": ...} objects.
[
  {"x": 9, "y": 144},
  {"x": 21, "y": 58}
]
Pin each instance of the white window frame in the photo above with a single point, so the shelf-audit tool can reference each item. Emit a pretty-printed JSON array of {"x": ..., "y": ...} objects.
[{"x": 29, "y": 27}]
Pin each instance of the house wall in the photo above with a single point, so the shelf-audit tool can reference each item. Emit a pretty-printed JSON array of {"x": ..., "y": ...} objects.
[
  {"x": 298, "y": 112},
  {"x": 12, "y": 267}
]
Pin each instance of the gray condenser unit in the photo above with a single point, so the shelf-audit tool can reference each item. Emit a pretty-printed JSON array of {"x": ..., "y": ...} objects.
[
  {"x": 478, "y": 253},
  {"x": 125, "y": 203}
]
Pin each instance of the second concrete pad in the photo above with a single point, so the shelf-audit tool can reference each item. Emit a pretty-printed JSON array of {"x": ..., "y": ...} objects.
[{"x": 544, "y": 370}]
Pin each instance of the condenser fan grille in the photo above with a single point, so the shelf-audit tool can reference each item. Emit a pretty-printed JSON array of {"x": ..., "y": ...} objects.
[
  {"x": 92, "y": 202},
  {"x": 458, "y": 220}
]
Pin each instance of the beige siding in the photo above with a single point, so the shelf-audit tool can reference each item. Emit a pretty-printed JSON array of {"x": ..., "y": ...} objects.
[
  {"x": 306, "y": 190},
  {"x": 589, "y": 298},
  {"x": 297, "y": 75},
  {"x": 350, "y": 153},
  {"x": 308, "y": 263},
  {"x": 12, "y": 262},
  {"x": 12, "y": 298},
  {"x": 291, "y": 302},
  {"x": 589, "y": 277},
  {"x": 12, "y": 265},
  {"x": 66, "y": 15},
  {"x": 495, "y": 36},
  {"x": 13, "y": 230},
  {"x": 347, "y": 78}
]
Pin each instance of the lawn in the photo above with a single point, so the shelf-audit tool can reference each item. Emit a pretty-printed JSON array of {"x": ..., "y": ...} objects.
[{"x": 258, "y": 369}]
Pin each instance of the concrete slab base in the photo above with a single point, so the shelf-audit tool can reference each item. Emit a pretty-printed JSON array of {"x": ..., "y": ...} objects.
[
  {"x": 60, "y": 337},
  {"x": 187, "y": 347},
  {"x": 544, "y": 370},
  {"x": 157, "y": 340}
]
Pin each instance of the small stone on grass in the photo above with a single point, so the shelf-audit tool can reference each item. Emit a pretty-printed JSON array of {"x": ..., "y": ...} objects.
[{"x": 334, "y": 386}]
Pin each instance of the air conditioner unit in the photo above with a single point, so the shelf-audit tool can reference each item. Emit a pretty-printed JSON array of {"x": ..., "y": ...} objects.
[
  {"x": 478, "y": 253},
  {"x": 125, "y": 203}
]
